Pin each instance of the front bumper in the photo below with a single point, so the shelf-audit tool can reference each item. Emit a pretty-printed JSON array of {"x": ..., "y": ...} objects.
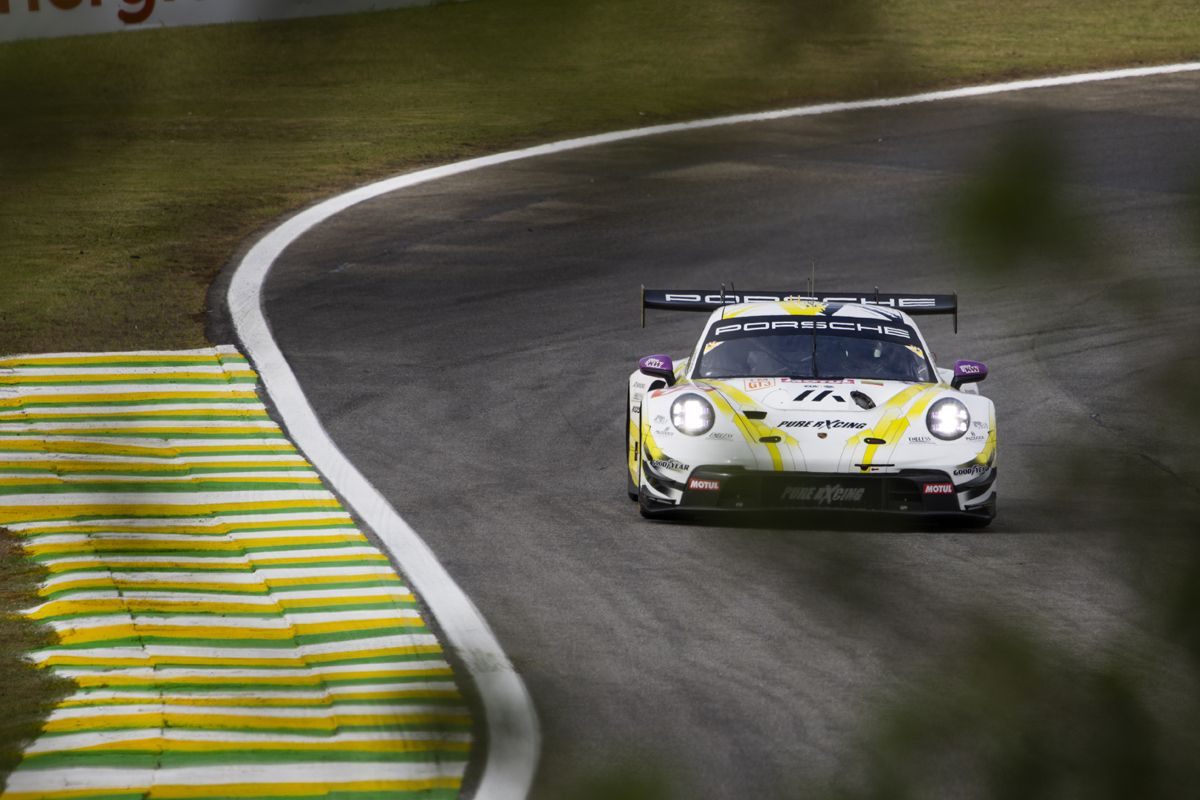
[{"x": 911, "y": 492}]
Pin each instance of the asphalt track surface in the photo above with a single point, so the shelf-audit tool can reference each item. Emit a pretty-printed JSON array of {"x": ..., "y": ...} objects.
[{"x": 466, "y": 343}]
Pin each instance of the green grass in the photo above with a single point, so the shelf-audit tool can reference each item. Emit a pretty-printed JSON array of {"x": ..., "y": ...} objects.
[
  {"x": 132, "y": 165},
  {"x": 26, "y": 693}
]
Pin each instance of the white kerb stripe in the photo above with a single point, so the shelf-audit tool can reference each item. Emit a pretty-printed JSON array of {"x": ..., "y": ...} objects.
[{"x": 58, "y": 780}]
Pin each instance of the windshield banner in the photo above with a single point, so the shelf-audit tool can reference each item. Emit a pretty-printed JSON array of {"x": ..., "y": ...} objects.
[{"x": 759, "y": 326}]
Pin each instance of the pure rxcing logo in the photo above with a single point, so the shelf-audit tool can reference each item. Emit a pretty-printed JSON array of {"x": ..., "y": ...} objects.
[
  {"x": 824, "y": 495},
  {"x": 135, "y": 11}
]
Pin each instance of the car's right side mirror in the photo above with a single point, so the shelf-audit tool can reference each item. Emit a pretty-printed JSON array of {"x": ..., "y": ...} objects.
[
  {"x": 968, "y": 372},
  {"x": 658, "y": 366}
]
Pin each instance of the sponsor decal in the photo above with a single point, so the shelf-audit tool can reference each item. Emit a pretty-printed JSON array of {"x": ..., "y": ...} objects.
[
  {"x": 968, "y": 369},
  {"x": 704, "y": 485},
  {"x": 833, "y": 326},
  {"x": 891, "y": 301},
  {"x": 134, "y": 12},
  {"x": 636, "y": 409},
  {"x": 975, "y": 437},
  {"x": 660, "y": 419},
  {"x": 721, "y": 437},
  {"x": 938, "y": 488},
  {"x": 825, "y": 424},
  {"x": 682, "y": 387},
  {"x": 979, "y": 424},
  {"x": 670, "y": 463},
  {"x": 820, "y": 397},
  {"x": 654, "y": 363},
  {"x": 919, "y": 439},
  {"x": 756, "y": 384},
  {"x": 825, "y": 495},
  {"x": 974, "y": 469}
]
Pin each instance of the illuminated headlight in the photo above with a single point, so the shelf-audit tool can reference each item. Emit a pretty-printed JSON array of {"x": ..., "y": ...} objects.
[
  {"x": 691, "y": 414},
  {"x": 948, "y": 419}
]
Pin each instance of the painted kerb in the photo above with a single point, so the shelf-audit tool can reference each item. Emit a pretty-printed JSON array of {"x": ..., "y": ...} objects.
[
  {"x": 48, "y": 19},
  {"x": 229, "y": 632}
]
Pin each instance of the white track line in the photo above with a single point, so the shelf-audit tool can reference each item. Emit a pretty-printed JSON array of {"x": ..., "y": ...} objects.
[{"x": 513, "y": 735}]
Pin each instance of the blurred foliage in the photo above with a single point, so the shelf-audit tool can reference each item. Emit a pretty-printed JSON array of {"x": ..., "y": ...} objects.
[
  {"x": 633, "y": 780},
  {"x": 1019, "y": 208},
  {"x": 1006, "y": 713},
  {"x": 1007, "y": 716},
  {"x": 1005, "y": 710}
]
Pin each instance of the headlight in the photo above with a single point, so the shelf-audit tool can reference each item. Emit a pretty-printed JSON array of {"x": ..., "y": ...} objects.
[
  {"x": 691, "y": 414},
  {"x": 948, "y": 419}
]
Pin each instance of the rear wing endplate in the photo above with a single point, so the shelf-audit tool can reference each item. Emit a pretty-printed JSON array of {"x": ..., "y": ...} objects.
[{"x": 708, "y": 300}]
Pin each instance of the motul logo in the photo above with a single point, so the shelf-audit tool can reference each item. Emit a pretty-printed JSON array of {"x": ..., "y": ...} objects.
[
  {"x": 939, "y": 488},
  {"x": 702, "y": 485}
]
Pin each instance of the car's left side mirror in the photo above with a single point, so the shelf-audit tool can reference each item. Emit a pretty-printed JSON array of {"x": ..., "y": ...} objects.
[
  {"x": 968, "y": 372},
  {"x": 658, "y": 366}
]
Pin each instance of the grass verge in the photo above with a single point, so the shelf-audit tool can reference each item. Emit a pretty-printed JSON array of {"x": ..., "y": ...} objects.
[
  {"x": 26, "y": 693},
  {"x": 131, "y": 165}
]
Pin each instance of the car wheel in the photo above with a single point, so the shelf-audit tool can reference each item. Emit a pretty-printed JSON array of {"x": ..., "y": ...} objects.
[
  {"x": 643, "y": 506},
  {"x": 631, "y": 487}
]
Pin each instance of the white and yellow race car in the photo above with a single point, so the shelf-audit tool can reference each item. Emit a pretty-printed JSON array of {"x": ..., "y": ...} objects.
[{"x": 802, "y": 404}]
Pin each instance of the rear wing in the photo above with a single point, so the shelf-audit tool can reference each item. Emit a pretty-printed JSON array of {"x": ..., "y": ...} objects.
[{"x": 708, "y": 300}]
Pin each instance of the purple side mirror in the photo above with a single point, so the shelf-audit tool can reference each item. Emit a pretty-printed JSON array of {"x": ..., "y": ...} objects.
[
  {"x": 658, "y": 366},
  {"x": 968, "y": 372}
]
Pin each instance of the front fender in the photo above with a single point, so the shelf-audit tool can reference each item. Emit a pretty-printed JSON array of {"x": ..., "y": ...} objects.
[{"x": 669, "y": 456}]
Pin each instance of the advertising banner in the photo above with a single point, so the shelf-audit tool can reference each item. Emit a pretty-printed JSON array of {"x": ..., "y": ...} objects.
[{"x": 43, "y": 19}]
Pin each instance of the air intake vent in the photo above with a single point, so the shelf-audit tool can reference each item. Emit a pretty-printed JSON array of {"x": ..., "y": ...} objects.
[
  {"x": 755, "y": 414},
  {"x": 862, "y": 401}
]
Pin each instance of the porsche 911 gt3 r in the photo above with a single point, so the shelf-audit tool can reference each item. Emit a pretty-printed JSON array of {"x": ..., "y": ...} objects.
[{"x": 802, "y": 404}]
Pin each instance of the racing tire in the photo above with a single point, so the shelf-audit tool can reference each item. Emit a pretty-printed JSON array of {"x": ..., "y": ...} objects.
[
  {"x": 631, "y": 487},
  {"x": 643, "y": 506}
]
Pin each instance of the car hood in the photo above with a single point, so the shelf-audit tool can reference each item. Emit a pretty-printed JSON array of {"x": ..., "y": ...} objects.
[
  {"x": 859, "y": 398},
  {"x": 831, "y": 425}
]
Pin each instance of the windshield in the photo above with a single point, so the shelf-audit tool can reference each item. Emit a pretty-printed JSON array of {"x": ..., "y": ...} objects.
[{"x": 808, "y": 348}]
